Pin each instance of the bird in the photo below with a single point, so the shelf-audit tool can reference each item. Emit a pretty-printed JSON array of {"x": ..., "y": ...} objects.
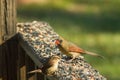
[
  {"x": 72, "y": 50},
  {"x": 50, "y": 66}
]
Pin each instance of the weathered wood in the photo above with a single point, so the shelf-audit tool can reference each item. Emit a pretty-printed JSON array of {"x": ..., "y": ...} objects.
[
  {"x": 1, "y": 20},
  {"x": 30, "y": 52},
  {"x": 0, "y": 40},
  {"x": 4, "y": 68},
  {"x": 8, "y": 19},
  {"x": 21, "y": 64},
  {"x": 8, "y": 48},
  {"x": 1, "y": 63},
  {"x": 25, "y": 64},
  {"x": 30, "y": 66},
  {"x": 14, "y": 64},
  {"x": 8, "y": 61},
  {"x": 11, "y": 58}
]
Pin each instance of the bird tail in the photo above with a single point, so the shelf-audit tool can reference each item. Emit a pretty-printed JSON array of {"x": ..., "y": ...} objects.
[
  {"x": 35, "y": 71},
  {"x": 94, "y": 54}
]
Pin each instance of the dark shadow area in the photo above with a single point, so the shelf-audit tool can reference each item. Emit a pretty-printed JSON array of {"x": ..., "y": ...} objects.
[
  {"x": 102, "y": 22},
  {"x": 8, "y": 59},
  {"x": 14, "y": 62}
]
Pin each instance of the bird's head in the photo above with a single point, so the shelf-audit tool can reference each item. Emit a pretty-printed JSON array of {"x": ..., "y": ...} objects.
[
  {"x": 55, "y": 59},
  {"x": 58, "y": 42}
]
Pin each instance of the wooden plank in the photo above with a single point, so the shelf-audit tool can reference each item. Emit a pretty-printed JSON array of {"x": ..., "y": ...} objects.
[
  {"x": 4, "y": 61},
  {"x": 1, "y": 63},
  {"x": 12, "y": 58},
  {"x": 30, "y": 66},
  {"x": 1, "y": 21},
  {"x": 25, "y": 64},
  {"x": 1, "y": 57},
  {"x": 30, "y": 52},
  {"x": 31, "y": 63},
  {"x": 23, "y": 73},
  {"x": 14, "y": 7},
  {"x": 21, "y": 64},
  {"x": 8, "y": 61},
  {"x": 18, "y": 63},
  {"x": 8, "y": 19},
  {"x": 8, "y": 49}
]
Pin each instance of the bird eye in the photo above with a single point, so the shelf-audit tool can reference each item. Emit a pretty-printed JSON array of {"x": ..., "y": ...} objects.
[
  {"x": 52, "y": 40},
  {"x": 61, "y": 41}
]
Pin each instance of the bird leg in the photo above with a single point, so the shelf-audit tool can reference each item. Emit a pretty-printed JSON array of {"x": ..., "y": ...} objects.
[{"x": 74, "y": 55}]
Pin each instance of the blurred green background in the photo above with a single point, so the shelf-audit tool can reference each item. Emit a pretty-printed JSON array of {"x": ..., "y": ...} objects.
[{"x": 92, "y": 24}]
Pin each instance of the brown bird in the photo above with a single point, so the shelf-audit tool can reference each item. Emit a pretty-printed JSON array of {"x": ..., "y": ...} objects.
[
  {"x": 72, "y": 50},
  {"x": 50, "y": 67}
]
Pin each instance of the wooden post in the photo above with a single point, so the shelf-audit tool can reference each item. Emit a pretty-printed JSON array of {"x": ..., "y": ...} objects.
[
  {"x": 14, "y": 62},
  {"x": 7, "y": 19},
  {"x": 8, "y": 45}
]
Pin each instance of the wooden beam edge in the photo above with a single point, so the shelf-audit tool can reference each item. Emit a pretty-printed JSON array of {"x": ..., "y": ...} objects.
[{"x": 30, "y": 52}]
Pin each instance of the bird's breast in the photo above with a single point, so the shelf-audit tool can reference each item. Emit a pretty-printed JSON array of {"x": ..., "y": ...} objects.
[{"x": 55, "y": 65}]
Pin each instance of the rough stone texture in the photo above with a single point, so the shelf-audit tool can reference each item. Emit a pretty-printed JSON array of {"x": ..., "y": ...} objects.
[{"x": 40, "y": 36}]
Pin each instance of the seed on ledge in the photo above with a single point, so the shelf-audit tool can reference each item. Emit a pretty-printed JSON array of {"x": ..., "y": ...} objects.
[{"x": 40, "y": 37}]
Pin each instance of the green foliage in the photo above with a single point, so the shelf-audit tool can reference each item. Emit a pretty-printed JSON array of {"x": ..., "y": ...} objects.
[{"x": 95, "y": 28}]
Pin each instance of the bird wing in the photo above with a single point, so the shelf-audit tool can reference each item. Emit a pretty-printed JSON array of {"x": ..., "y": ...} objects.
[{"x": 74, "y": 48}]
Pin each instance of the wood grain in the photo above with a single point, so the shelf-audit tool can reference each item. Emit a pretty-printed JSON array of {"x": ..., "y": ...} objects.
[{"x": 8, "y": 46}]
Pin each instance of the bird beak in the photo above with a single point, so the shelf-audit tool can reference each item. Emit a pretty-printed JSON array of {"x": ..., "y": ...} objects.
[{"x": 58, "y": 42}]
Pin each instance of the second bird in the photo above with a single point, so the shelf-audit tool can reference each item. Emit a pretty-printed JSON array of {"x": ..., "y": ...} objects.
[
  {"x": 72, "y": 50},
  {"x": 50, "y": 67}
]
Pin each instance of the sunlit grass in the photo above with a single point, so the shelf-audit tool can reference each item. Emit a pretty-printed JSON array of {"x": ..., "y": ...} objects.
[{"x": 111, "y": 71}]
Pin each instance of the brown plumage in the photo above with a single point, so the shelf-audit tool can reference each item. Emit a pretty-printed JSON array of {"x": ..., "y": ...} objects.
[
  {"x": 71, "y": 49},
  {"x": 50, "y": 67}
]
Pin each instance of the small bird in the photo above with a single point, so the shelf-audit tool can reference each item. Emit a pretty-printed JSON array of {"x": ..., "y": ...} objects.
[
  {"x": 50, "y": 67},
  {"x": 72, "y": 50}
]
